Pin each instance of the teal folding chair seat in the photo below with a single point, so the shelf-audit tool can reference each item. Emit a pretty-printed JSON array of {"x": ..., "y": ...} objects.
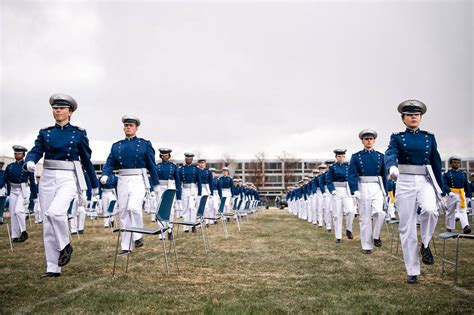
[
  {"x": 220, "y": 216},
  {"x": 199, "y": 221},
  {"x": 451, "y": 235},
  {"x": 162, "y": 216}
]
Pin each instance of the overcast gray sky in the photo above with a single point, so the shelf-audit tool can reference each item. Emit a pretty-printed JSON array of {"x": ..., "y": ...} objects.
[{"x": 239, "y": 78}]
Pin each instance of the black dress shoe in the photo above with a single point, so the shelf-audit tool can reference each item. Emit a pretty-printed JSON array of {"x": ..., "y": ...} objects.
[
  {"x": 50, "y": 275},
  {"x": 367, "y": 251},
  {"x": 81, "y": 232},
  {"x": 65, "y": 255},
  {"x": 466, "y": 229},
  {"x": 412, "y": 279},
  {"x": 378, "y": 242},
  {"x": 426, "y": 256},
  {"x": 338, "y": 240},
  {"x": 349, "y": 234},
  {"x": 124, "y": 252},
  {"x": 170, "y": 236},
  {"x": 23, "y": 237},
  {"x": 193, "y": 229},
  {"x": 112, "y": 224},
  {"x": 328, "y": 230},
  {"x": 15, "y": 240},
  {"x": 186, "y": 231},
  {"x": 449, "y": 230},
  {"x": 139, "y": 243}
]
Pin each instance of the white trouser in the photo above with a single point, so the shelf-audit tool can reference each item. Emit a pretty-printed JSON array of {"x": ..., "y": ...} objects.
[
  {"x": 314, "y": 209},
  {"x": 228, "y": 204},
  {"x": 78, "y": 216},
  {"x": 188, "y": 197},
  {"x": 131, "y": 192},
  {"x": 162, "y": 188},
  {"x": 371, "y": 212},
  {"x": 327, "y": 201},
  {"x": 206, "y": 191},
  {"x": 38, "y": 212},
  {"x": 319, "y": 207},
  {"x": 57, "y": 189},
  {"x": 107, "y": 197},
  {"x": 454, "y": 207},
  {"x": 17, "y": 210},
  {"x": 343, "y": 205},
  {"x": 214, "y": 206},
  {"x": 391, "y": 209},
  {"x": 415, "y": 191}
]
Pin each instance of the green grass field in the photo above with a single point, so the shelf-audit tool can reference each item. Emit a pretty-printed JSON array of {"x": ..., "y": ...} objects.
[{"x": 276, "y": 264}]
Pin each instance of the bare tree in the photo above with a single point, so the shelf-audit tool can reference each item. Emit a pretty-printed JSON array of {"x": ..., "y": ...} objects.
[
  {"x": 256, "y": 170},
  {"x": 289, "y": 165},
  {"x": 230, "y": 162}
]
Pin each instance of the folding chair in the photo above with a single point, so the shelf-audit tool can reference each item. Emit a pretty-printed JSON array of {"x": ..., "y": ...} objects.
[
  {"x": 445, "y": 236},
  {"x": 110, "y": 212},
  {"x": 199, "y": 221},
  {"x": 162, "y": 216},
  {"x": 3, "y": 201},
  {"x": 233, "y": 214},
  {"x": 220, "y": 216}
]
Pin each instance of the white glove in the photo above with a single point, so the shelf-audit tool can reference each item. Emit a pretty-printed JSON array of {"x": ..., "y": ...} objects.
[
  {"x": 95, "y": 192},
  {"x": 326, "y": 194},
  {"x": 334, "y": 193},
  {"x": 153, "y": 195},
  {"x": 156, "y": 188},
  {"x": 357, "y": 195},
  {"x": 26, "y": 201},
  {"x": 30, "y": 166},
  {"x": 104, "y": 179},
  {"x": 394, "y": 172}
]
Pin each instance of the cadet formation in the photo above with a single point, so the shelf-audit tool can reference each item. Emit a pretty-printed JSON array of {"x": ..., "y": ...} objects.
[{"x": 405, "y": 181}]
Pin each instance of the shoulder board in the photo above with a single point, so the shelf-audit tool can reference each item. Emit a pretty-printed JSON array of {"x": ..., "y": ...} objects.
[
  {"x": 117, "y": 142},
  {"x": 427, "y": 132},
  {"x": 379, "y": 153},
  {"x": 47, "y": 128},
  {"x": 398, "y": 133},
  {"x": 79, "y": 128}
]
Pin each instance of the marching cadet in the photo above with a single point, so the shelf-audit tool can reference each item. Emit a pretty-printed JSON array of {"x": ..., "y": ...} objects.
[
  {"x": 3, "y": 188},
  {"x": 215, "y": 199},
  {"x": 169, "y": 179},
  {"x": 391, "y": 188},
  {"x": 457, "y": 184},
  {"x": 20, "y": 186},
  {"x": 328, "y": 198},
  {"x": 132, "y": 157},
  {"x": 367, "y": 182},
  {"x": 315, "y": 218},
  {"x": 192, "y": 189},
  {"x": 413, "y": 160},
  {"x": 207, "y": 183},
  {"x": 343, "y": 204},
  {"x": 224, "y": 186},
  {"x": 109, "y": 193},
  {"x": 64, "y": 147},
  {"x": 320, "y": 194}
]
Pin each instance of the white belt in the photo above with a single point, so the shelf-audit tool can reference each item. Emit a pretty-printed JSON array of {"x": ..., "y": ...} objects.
[
  {"x": 165, "y": 182},
  {"x": 412, "y": 169},
  {"x": 130, "y": 171},
  {"x": 108, "y": 190},
  {"x": 340, "y": 184},
  {"x": 189, "y": 185},
  {"x": 225, "y": 189},
  {"x": 58, "y": 165},
  {"x": 14, "y": 185},
  {"x": 369, "y": 179}
]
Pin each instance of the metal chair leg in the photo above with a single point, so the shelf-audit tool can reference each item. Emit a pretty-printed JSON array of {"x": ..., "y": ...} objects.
[
  {"x": 224, "y": 227},
  {"x": 129, "y": 248},
  {"x": 116, "y": 252},
  {"x": 175, "y": 253},
  {"x": 10, "y": 238},
  {"x": 444, "y": 253},
  {"x": 165, "y": 254},
  {"x": 237, "y": 221},
  {"x": 457, "y": 261},
  {"x": 206, "y": 234},
  {"x": 203, "y": 239}
]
